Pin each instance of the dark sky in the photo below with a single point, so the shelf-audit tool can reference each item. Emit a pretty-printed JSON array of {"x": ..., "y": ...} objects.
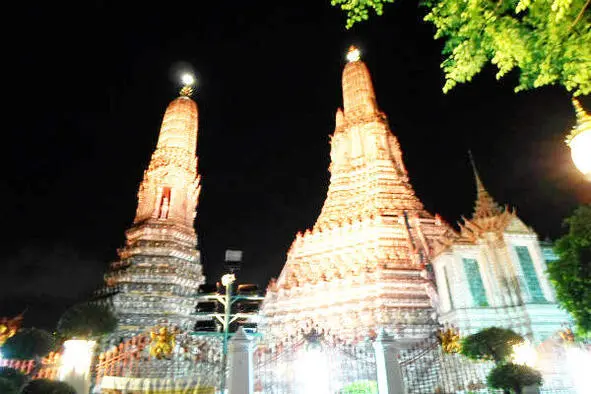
[{"x": 88, "y": 82}]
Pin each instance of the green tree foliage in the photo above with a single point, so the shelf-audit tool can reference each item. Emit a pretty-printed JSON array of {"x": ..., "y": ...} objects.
[
  {"x": 513, "y": 377},
  {"x": 46, "y": 386},
  {"x": 361, "y": 387},
  {"x": 548, "y": 41},
  {"x": 358, "y": 10},
  {"x": 87, "y": 320},
  {"x": 7, "y": 387},
  {"x": 492, "y": 343},
  {"x": 13, "y": 376},
  {"x": 28, "y": 344},
  {"x": 571, "y": 273}
]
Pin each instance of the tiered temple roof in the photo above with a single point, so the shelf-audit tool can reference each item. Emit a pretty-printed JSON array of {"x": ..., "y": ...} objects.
[
  {"x": 159, "y": 270},
  {"x": 488, "y": 217},
  {"x": 364, "y": 264}
]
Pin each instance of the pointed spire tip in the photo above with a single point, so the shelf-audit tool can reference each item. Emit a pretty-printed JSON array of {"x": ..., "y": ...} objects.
[{"x": 485, "y": 205}]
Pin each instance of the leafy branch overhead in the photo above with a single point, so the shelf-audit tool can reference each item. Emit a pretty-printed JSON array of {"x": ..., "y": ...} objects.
[{"x": 548, "y": 41}]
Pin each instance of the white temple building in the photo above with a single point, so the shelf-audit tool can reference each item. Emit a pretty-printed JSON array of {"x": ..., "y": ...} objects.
[{"x": 493, "y": 273}]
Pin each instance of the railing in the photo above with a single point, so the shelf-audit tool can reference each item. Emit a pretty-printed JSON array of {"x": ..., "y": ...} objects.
[
  {"x": 122, "y": 360},
  {"x": 49, "y": 366},
  {"x": 194, "y": 363}
]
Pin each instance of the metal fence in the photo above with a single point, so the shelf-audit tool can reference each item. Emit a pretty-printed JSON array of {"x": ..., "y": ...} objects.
[{"x": 314, "y": 363}]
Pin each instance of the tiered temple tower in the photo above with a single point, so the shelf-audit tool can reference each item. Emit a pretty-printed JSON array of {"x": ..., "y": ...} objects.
[
  {"x": 364, "y": 264},
  {"x": 159, "y": 269},
  {"x": 493, "y": 273}
]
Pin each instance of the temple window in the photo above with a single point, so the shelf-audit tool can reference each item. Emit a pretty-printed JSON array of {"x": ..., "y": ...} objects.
[
  {"x": 449, "y": 296},
  {"x": 529, "y": 273},
  {"x": 475, "y": 282}
]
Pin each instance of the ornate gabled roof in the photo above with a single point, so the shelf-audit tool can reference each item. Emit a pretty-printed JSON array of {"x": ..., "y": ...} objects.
[{"x": 488, "y": 217}]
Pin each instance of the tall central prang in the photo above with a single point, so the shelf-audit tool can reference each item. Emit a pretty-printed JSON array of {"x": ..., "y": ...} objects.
[
  {"x": 159, "y": 269},
  {"x": 364, "y": 264}
]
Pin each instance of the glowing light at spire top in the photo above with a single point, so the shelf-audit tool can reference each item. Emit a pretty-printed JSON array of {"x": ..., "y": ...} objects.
[
  {"x": 189, "y": 82},
  {"x": 353, "y": 54},
  {"x": 188, "y": 79}
]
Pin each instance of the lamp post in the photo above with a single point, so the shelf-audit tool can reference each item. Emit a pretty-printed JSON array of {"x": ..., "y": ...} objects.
[
  {"x": 227, "y": 318},
  {"x": 227, "y": 300},
  {"x": 227, "y": 281},
  {"x": 579, "y": 141}
]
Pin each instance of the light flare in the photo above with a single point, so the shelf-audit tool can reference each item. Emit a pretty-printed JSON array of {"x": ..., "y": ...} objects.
[
  {"x": 525, "y": 354},
  {"x": 188, "y": 79},
  {"x": 580, "y": 150},
  {"x": 578, "y": 361},
  {"x": 75, "y": 364},
  {"x": 312, "y": 369}
]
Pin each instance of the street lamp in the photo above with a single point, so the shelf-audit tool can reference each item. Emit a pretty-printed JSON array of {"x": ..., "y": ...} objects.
[
  {"x": 579, "y": 141},
  {"x": 227, "y": 318},
  {"x": 227, "y": 300},
  {"x": 227, "y": 281}
]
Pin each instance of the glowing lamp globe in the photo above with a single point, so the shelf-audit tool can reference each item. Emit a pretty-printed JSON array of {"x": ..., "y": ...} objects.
[
  {"x": 580, "y": 150},
  {"x": 228, "y": 279},
  {"x": 579, "y": 141}
]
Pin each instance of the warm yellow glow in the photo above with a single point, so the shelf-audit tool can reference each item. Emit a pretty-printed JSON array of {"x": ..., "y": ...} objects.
[
  {"x": 188, "y": 79},
  {"x": 228, "y": 279},
  {"x": 580, "y": 150},
  {"x": 525, "y": 354},
  {"x": 9, "y": 327},
  {"x": 353, "y": 54},
  {"x": 77, "y": 358}
]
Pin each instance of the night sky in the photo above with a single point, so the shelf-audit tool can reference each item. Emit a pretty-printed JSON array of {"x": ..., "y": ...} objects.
[{"x": 88, "y": 83}]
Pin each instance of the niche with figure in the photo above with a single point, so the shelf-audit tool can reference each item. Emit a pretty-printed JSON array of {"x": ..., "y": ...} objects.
[{"x": 163, "y": 203}]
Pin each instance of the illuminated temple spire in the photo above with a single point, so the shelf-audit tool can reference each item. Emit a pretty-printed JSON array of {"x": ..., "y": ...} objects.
[
  {"x": 359, "y": 98},
  {"x": 485, "y": 205},
  {"x": 159, "y": 269},
  {"x": 367, "y": 169},
  {"x": 364, "y": 263}
]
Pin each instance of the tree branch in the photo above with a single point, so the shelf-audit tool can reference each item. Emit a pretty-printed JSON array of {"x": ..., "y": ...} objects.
[{"x": 580, "y": 14}]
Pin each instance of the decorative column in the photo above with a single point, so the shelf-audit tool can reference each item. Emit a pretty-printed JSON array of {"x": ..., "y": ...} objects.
[
  {"x": 240, "y": 370},
  {"x": 76, "y": 361},
  {"x": 388, "y": 369}
]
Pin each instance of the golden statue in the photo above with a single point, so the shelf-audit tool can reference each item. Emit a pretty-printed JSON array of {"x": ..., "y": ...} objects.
[
  {"x": 162, "y": 344},
  {"x": 450, "y": 340},
  {"x": 9, "y": 327},
  {"x": 567, "y": 335}
]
